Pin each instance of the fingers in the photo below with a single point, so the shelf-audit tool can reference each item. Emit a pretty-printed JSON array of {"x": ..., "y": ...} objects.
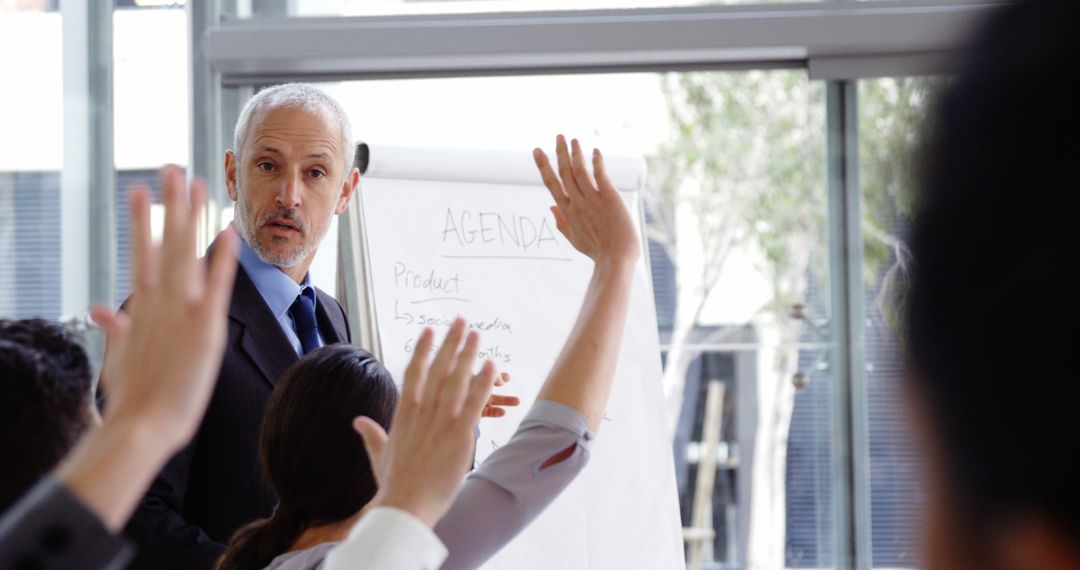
[
  {"x": 479, "y": 391},
  {"x": 581, "y": 173},
  {"x": 574, "y": 178},
  {"x": 443, "y": 363},
  {"x": 496, "y": 403},
  {"x": 176, "y": 215},
  {"x": 603, "y": 183},
  {"x": 492, "y": 409},
  {"x": 143, "y": 253},
  {"x": 500, "y": 400},
  {"x": 110, "y": 321},
  {"x": 194, "y": 270},
  {"x": 456, "y": 386},
  {"x": 222, "y": 273},
  {"x": 175, "y": 261},
  {"x": 195, "y": 205},
  {"x": 416, "y": 371},
  {"x": 551, "y": 180},
  {"x": 566, "y": 170},
  {"x": 115, "y": 324},
  {"x": 374, "y": 438}
]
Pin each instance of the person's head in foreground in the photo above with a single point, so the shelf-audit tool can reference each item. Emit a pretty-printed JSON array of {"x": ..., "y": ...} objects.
[
  {"x": 311, "y": 456},
  {"x": 44, "y": 401},
  {"x": 289, "y": 172},
  {"x": 994, "y": 302}
]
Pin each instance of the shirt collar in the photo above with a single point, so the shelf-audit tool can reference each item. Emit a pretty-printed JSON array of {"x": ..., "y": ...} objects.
[{"x": 277, "y": 289}]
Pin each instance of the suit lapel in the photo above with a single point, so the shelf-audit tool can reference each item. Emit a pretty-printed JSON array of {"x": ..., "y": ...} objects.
[
  {"x": 261, "y": 338},
  {"x": 332, "y": 325}
]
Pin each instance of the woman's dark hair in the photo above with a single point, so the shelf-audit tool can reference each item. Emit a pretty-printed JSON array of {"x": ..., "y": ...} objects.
[
  {"x": 995, "y": 293},
  {"x": 311, "y": 457},
  {"x": 44, "y": 401}
]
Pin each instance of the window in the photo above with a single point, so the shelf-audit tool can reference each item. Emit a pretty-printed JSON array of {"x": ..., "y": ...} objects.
[
  {"x": 150, "y": 76},
  {"x": 150, "y": 119},
  {"x": 31, "y": 154},
  {"x": 890, "y": 115}
]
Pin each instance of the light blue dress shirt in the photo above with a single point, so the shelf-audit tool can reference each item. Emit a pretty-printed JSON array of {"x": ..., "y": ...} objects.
[{"x": 277, "y": 289}]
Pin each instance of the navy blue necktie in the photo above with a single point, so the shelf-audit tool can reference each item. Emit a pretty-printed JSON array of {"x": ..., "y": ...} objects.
[{"x": 303, "y": 315}]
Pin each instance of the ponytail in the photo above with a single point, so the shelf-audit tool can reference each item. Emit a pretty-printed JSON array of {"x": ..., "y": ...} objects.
[
  {"x": 308, "y": 451},
  {"x": 255, "y": 545}
]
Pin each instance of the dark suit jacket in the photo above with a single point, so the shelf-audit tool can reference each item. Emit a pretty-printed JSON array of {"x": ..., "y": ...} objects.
[
  {"x": 50, "y": 529},
  {"x": 214, "y": 485}
]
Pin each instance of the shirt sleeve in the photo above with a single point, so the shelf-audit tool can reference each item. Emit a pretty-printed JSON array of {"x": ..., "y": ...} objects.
[
  {"x": 51, "y": 529},
  {"x": 387, "y": 539},
  {"x": 515, "y": 484}
]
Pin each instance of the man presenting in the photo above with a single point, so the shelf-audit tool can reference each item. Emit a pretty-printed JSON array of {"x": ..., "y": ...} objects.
[{"x": 290, "y": 171}]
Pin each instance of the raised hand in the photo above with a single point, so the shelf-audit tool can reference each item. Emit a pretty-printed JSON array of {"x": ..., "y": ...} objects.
[
  {"x": 588, "y": 209},
  {"x": 162, "y": 357},
  {"x": 165, "y": 350},
  {"x": 591, "y": 214},
  {"x": 420, "y": 466}
]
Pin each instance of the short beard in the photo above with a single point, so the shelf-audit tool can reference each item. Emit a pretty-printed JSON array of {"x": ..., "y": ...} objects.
[{"x": 277, "y": 258}]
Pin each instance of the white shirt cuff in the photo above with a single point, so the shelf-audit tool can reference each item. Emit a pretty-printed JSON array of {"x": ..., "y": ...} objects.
[{"x": 391, "y": 539}]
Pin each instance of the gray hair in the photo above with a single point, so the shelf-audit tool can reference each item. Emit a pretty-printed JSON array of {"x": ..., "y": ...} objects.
[{"x": 297, "y": 95}]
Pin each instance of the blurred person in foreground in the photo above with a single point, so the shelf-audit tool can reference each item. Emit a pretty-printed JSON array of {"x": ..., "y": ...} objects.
[{"x": 994, "y": 300}]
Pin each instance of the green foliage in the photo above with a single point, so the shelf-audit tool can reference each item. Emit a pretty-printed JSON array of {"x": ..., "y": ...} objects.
[
  {"x": 890, "y": 119},
  {"x": 747, "y": 155}
]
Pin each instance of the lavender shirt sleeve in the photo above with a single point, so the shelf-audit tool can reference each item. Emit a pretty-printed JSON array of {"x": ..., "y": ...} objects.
[{"x": 510, "y": 488}]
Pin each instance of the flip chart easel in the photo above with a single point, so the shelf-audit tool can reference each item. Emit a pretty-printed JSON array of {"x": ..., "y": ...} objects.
[{"x": 439, "y": 233}]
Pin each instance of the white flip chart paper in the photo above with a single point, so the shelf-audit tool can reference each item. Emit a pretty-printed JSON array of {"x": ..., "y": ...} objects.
[{"x": 470, "y": 233}]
